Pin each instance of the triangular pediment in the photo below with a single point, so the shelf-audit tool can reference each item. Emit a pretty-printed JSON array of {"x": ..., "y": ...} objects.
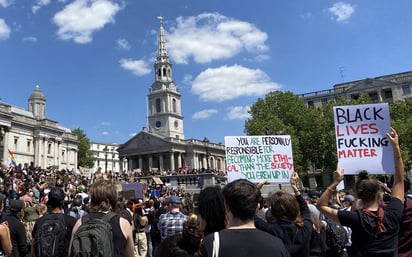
[
  {"x": 143, "y": 140},
  {"x": 368, "y": 84}
]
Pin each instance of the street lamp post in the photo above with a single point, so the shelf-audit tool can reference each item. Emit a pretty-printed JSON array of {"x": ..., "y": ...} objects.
[
  {"x": 105, "y": 150},
  {"x": 206, "y": 142}
]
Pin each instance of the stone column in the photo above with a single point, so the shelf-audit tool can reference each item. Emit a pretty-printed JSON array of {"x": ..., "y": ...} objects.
[
  {"x": 59, "y": 154},
  {"x": 160, "y": 163},
  {"x": 44, "y": 164},
  {"x": 55, "y": 149},
  {"x": 150, "y": 163},
  {"x": 130, "y": 163},
  {"x": 172, "y": 162},
  {"x": 204, "y": 162},
  {"x": 179, "y": 159},
  {"x": 141, "y": 163}
]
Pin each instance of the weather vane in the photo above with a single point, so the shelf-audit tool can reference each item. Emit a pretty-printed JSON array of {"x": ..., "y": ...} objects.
[{"x": 160, "y": 18}]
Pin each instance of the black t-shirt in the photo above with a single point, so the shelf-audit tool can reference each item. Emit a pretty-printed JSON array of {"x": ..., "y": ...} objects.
[
  {"x": 246, "y": 243},
  {"x": 296, "y": 238},
  {"x": 366, "y": 241},
  {"x": 68, "y": 220}
]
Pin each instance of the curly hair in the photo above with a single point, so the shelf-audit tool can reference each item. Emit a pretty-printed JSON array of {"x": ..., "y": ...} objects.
[{"x": 185, "y": 245}]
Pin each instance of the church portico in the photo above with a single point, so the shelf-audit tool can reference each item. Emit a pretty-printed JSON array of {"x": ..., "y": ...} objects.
[{"x": 161, "y": 145}]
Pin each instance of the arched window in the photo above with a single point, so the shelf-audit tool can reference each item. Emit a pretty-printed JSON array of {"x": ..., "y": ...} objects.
[
  {"x": 159, "y": 73},
  {"x": 158, "y": 109},
  {"x": 164, "y": 71},
  {"x": 174, "y": 105}
]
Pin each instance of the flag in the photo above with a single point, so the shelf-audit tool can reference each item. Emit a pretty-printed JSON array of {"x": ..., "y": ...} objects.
[{"x": 13, "y": 160}]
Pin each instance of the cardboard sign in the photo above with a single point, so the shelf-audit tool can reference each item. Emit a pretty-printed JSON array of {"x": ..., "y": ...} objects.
[
  {"x": 257, "y": 158},
  {"x": 136, "y": 187},
  {"x": 361, "y": 138}
]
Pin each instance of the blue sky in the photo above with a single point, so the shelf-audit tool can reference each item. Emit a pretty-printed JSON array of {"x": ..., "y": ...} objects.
[{"x": 93, "y": 60}]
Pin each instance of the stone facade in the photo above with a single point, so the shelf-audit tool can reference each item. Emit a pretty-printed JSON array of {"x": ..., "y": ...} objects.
[
  {"x": 34, "y": 139},
  {"x": 388, "y": 88}
]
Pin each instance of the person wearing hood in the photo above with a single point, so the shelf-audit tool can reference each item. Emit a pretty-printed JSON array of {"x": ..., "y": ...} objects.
[{"x": 374, "y": 225}]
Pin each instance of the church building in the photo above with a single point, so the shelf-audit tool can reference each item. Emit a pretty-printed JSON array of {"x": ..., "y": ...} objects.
[{"x": 161, "y": 146}]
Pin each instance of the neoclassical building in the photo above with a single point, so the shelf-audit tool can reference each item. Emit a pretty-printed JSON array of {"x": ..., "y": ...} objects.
[
  {"x": 388, "y": 88},
  {"x": 107, "y": 157},
  {"x": 161, "y": 146},
  {"x": 34, "y": 139}
]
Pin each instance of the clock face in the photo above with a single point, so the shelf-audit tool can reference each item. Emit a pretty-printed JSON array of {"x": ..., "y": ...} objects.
[
  {"x": 172, "y": 86},
  {"x": 158, "y": 124},
  {"x": 157, "y": 86}
]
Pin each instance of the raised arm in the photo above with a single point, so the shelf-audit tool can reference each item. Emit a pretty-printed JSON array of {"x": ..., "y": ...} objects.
[
  {"x": 323, "y": 201},
  {"x": 398, "y": 184},
  {"x": 5, "y": 238}
]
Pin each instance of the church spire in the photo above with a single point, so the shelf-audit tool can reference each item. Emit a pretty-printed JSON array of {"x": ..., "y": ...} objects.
[
  {"x": 161, "y": 47},
  {"x": 163, "y": 67}
]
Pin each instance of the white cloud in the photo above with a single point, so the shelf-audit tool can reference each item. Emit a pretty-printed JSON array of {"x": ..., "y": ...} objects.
[
  {"x": 79, "y": 19},
  {"x": 230, "y": 82},
  {"x": 104, "y": 133},
  {"x": 137, "y": 67},
  {"x": 238, "y": 113},
  {"x": 132, "y": 134},
  {"x": 341, "y": 11},
  {"x": 212, "y": 36},
  {"x": 187, "y": 79},
  {"x": 39, "y": 4},
  {"x": 204, "y": 114},
  {"x": 30, "y": 39},
  {"x": 4, "y": 30},
  {"x": 5, "y": 3},
  {"x": 122, "y": 44}
]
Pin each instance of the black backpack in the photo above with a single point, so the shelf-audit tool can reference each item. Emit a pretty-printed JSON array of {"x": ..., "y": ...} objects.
[
  {"x": 51, "y": 236},
  {"x": 336, "y": 236},
  {"x": 94, "y": 237}
]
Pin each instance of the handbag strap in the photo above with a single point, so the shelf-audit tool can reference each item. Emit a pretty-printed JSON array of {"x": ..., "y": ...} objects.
[{"x": 216, "y": 245}]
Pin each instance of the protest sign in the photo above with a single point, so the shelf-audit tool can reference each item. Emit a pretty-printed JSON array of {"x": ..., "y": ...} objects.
[
  {"x": 257, "y": 158},
  {"x": 136, "y": 187},
  {"x": 361, "y": 138}
]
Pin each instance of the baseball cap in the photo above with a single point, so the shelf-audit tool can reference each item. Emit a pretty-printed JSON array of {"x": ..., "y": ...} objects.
[
  {"x": 175, "y": 199},
  {"x": 17, "y": 205}
]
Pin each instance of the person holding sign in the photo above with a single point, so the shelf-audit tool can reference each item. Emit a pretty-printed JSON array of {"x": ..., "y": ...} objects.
[
  {"x": 292, "y": 220},
  {"x": 374, "y": 228}
]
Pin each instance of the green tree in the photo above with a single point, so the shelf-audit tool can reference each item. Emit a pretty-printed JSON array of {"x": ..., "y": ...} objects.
[
  {"x": 284, "y": 112},
  {"x": 85, "y": 156},
  {"x": 401, "y": 120}
]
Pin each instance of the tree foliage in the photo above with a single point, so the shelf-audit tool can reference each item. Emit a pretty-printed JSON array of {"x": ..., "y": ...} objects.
[
  {"x": 312, "y": 129},
  {"x": 85, "y": 155}
]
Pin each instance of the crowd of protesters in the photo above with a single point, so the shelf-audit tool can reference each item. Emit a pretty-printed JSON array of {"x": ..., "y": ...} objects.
[{"x": 233, "y": 220}]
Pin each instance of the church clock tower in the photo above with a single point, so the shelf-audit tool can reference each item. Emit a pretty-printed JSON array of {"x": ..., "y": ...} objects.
[{"x": 164, "y": 111}]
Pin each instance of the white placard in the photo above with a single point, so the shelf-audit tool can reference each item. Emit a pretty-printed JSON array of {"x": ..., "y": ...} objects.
[
  {"x": 257, "y": 158},
  {"x": 361, "y": 138}
]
